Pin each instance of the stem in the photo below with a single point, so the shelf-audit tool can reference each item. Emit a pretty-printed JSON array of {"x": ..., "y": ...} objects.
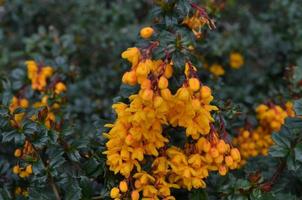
[
  {"x": 267, "y": 186},
  {"x": 54, "y": 187},
  {"x": 97, "y": 197}
]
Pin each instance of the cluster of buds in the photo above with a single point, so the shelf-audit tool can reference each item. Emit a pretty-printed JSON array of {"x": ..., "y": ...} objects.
[
  {"x": 138, "y": 134},
  {"x": 26, "y": 152},
  {"x": 21, "y": 191},
  {"x": 254, "y": 142}
]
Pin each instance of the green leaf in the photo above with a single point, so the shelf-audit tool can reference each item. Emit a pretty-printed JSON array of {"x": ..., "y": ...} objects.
[
  {"x": 6, "y": 98},
  {"x": 19, "y": 110},
  {"x": 13, "y": 136},
  {"x": 278, "y": 151},
  {"x": 30, "y": 127},
  {"x": 242, "y": 184},
  {"x": 198, "y": 195},
  {"x": 291, "y": 162},
  {"x": 4, "y": 193},
  {"x": 74, "y": 155},
  {"x": 281, "y": 139},
  {"x": 73, "y": 190},
  {"x": 93, "y": 167},
  {"x": 256, "y": 194},
  {"x": 56, "y": 158},
  {"x": 41, "y": 193},
  {"x": 298, "y": 106},
  {"x": 298, "y": 153},
  {"x": 126, "y": 90},
  {"x": 86, "y": 185}
]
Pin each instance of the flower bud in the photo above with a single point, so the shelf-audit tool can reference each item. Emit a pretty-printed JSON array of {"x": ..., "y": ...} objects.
[
  {"x": 221, "y": 146},
  {"x": 205, "y": 92},
  {"x": 158, "y": 101},
  {"x": 147, "y": 95},
  {"x": 168, "y": 71},
  {"x": 163, "y": 83},
  {"x": 123, "y": 186},
  {"x": 29, "y": 169},
  {"x": 166, "y": 94},
  {"x": 214, "y": 152},
  {"x": 235, "y": 154},
  {"x": 146, "y": 32},
  {"x": 114, "y": 193},
  {"x": 134, "y": 195},
  {"x": 222, "y": 170},
  {"x": 228, "y": 161},
  {"x": 146, "y": 84},
  {"x": 18, "y": 153},
  {"x": 194, "y": 84},
  {"x": 206, "y": 146},
  {"x": 23, "y": 174},
  {"x": 24, "y": 103},
  {"x": 16, "y": 169},
  {"x": 60, "y": 87},
  {"x": 137, "y": 184}
]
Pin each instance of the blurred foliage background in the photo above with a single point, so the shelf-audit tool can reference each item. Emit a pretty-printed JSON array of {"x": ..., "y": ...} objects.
[{"x": 84, "y": 40}]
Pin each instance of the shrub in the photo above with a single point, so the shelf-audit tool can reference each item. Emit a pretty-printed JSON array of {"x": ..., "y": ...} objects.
[{"x": 206, "y": 99}]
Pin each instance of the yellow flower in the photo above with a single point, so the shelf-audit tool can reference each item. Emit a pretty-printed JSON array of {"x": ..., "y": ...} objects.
[
  {"x": 60, "y": 87},
  {"x": 236, "y": 60},
  {"x": 32, "y": 68},
  {"x": 16, "y": 169},
  {"x": 123, "y": 186},
  {"x": 217, "y": 70},
  {"x": 23, "y": 174},
  {"x": 146, "y": 32},
  {"x": 114, "y": 193},
  {"x": 132, "y": 55},
  {"x": 194, "y": 84},
  {"x": 130, "y": 78},
  {"x": 195, "y": 23},
  {"x": 18, "y": 153},
  {"x": 222, "y": 170},
  {"x": 134, "y": 195},
  {"x": 29, "y": 169},
  {"x": 163, "y": 83}
]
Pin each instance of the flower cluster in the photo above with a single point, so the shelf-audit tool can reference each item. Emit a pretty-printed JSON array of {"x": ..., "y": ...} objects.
[
  {"x": 48, "y": 89},
  {"x": 138, "y": 134},
  {"x": 27, "y": 151},
  {"x": 254, "y": 142}
]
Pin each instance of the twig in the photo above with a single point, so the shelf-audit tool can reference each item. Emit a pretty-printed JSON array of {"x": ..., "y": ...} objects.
[{"x": 267, "y": 186}]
